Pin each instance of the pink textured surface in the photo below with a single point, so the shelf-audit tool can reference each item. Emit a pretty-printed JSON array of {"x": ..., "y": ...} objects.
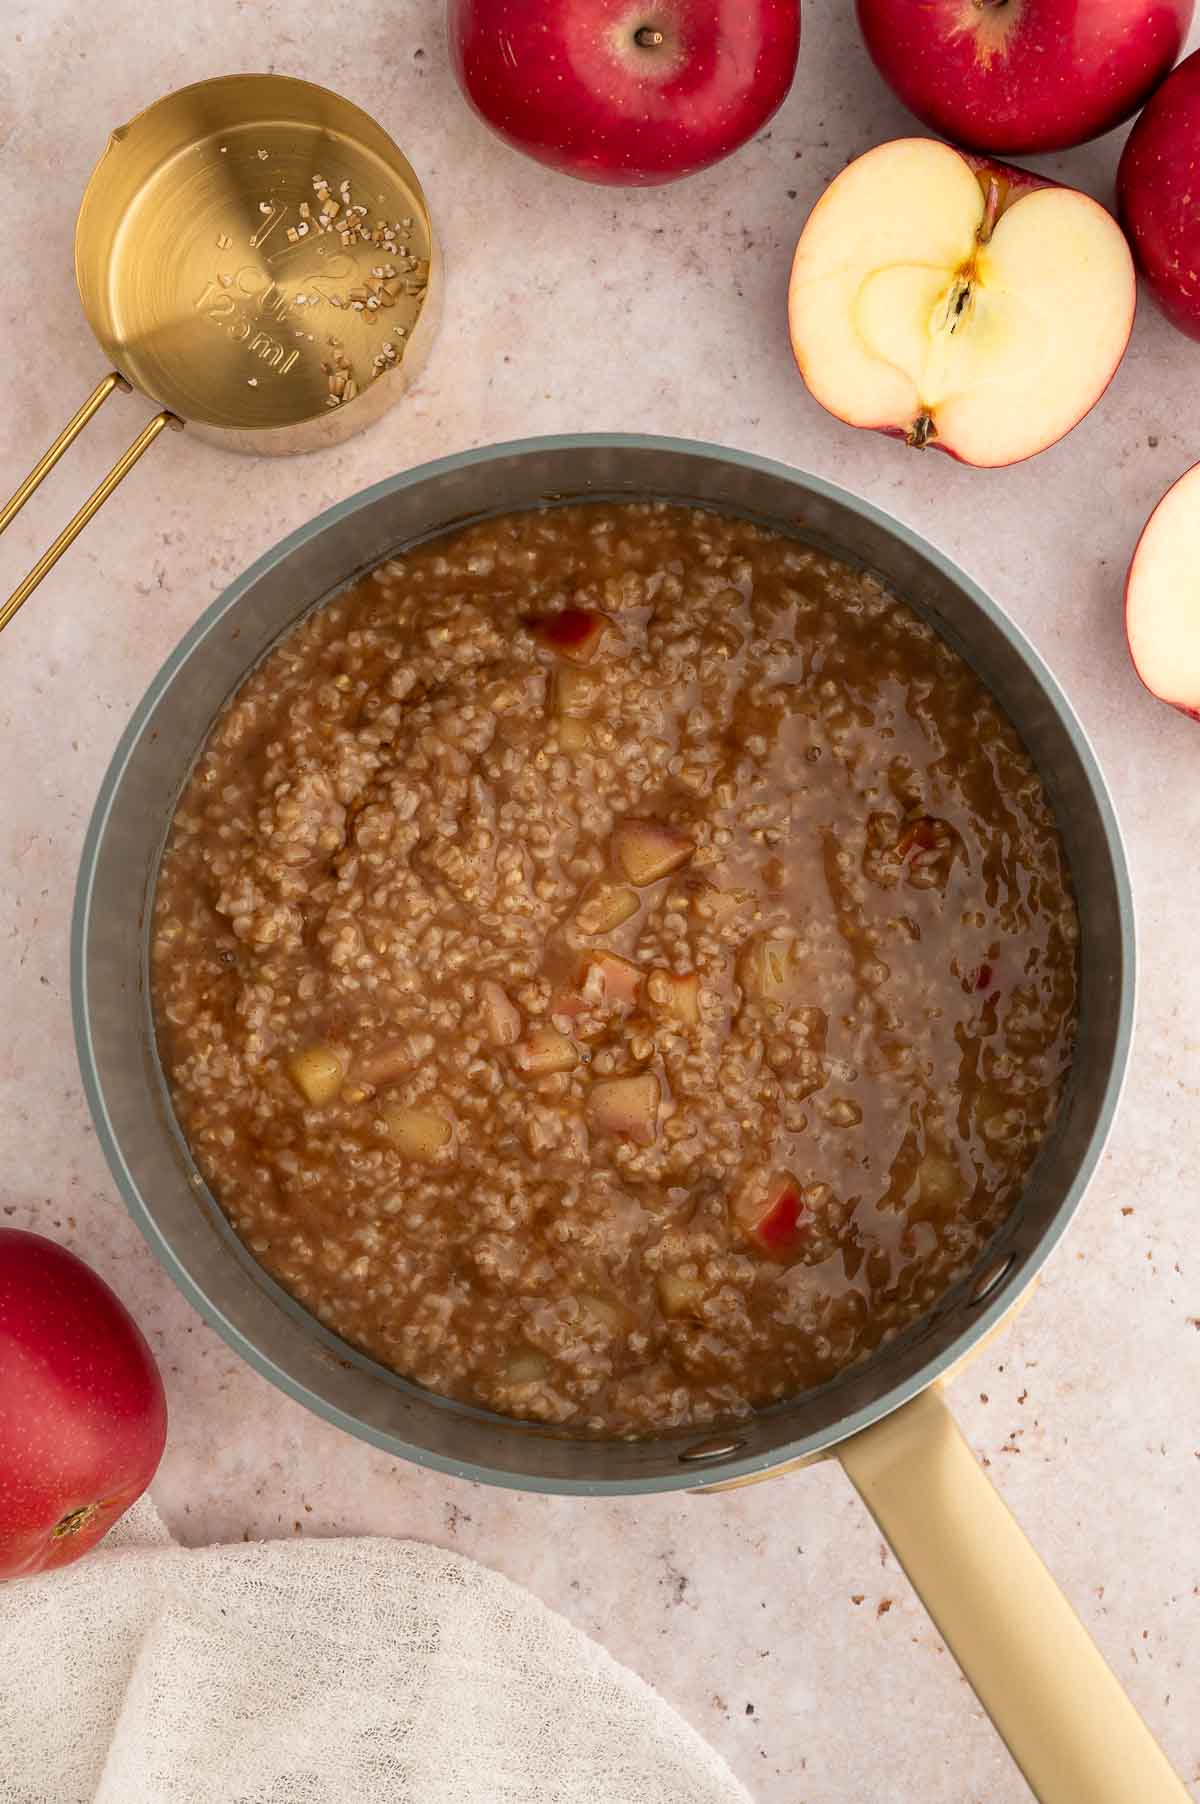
[{"x": 570, "y": 307}]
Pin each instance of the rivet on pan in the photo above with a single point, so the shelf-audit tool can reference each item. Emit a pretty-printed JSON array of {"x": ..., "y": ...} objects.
[
  {"x": 717, "y": 1449},
  {"x": 993, "y": 1278}
]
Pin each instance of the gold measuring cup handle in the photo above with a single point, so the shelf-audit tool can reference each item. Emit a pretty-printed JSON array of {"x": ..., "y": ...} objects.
[
  {"x": 95, "y": 500},
  {"x": 1068, "y": 1725}
]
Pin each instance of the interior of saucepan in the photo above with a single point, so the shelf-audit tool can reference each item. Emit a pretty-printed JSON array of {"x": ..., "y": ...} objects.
[{"x": 111, "y": 989}]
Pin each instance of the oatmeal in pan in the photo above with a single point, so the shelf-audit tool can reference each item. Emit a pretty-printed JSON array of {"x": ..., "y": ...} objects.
[{"x": 615, "y": 965}]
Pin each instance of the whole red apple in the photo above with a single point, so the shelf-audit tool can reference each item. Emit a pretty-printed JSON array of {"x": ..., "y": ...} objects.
[
  {"x": 620, "y": 91},
  {"x": 83, "y": 1418},
  {"x": 1014, "y": 76},
  {"x": 1158, "y": 188}
]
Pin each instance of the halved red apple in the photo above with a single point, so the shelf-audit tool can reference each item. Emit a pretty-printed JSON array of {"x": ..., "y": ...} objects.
[
  {"x": 960, "y": 303},
  {"x": 648, "y": 850},
  {"x": 1162, "y": 598},
  {"x": 573, "y": 633}
]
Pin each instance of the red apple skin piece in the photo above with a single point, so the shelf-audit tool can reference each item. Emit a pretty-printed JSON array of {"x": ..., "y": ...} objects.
[
  {"x": 1166, "y": 612},
  {"x": 620, "y": 92},
  {"x": 778, "y": 1225},
  {"x": 777, "y": 1229},
  {"x": 1021, "y": 76},
  {"x": 573, "y": 633},
  {"x": 1158, "y": 180},
  {"x": 83, "y": 1418}
]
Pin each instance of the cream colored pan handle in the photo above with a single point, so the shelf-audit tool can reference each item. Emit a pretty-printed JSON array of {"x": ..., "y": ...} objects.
[{"x": 1042, "y": 1680}]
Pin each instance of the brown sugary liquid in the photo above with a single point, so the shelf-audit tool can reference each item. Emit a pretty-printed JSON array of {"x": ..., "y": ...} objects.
[{"x": 537, "y": 1126}]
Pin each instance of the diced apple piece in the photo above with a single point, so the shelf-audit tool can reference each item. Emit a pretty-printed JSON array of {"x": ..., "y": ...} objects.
[
  {"x": 574, "y": 691},
  {"x": 678, "y": 1295},
  {"x": 525, "y": 1368},
  {"x": 573, "y": 633},
  {"x": 418, "y": 1133},
  {"x": 648, "y": 850},
  {"x": 773, "y": 1212},
  {"x": 768, "y": 969},
  {"x": 608, "y": 978},
  {"x": 1162, "y": 598},
  {"x": 958, "y": 303},
  {"x": 501, "y": 1017},
  {"x": 573, "y": 735},
  {"x": 626, "y": 1108},
  {"x": 920, "y": 835},
  {"x": 716, "y": 905},
  {"x": 385, "y": 1064},
  {"x": 318, "y": 1072},
  {"x": 605, "y": 906},
  {"x": 609, "y": 1314},
  {"x": 546, "y": 1051},
  {"x": 677, "y": 993}
]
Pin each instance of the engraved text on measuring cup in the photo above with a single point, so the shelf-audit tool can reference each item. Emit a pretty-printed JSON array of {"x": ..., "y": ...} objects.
[{"x": 228, "y": 315}]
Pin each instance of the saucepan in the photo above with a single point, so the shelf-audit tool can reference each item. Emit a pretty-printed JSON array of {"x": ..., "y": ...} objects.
[{"x": 1068, "y": 1724}]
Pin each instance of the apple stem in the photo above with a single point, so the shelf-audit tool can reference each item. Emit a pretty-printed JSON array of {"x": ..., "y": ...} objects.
[
  {"x": 73, "y": 1521},
  {"x": 921, "y": 431},
  {"x": 648, "y": 37},
  {"x": 991, "y": 208}
]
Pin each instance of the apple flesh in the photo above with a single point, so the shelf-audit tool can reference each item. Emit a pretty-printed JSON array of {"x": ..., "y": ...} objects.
[
  {"x": 647, "y": 851},
  {"x": 677, "y": 995},
  {"x": 420, "y": 1134},
  {"x": 83, "y": 1418},
  {"x": 501, "y": 1016},
  {"x": 606, "y": 906},
  {"x": 1162, "y": 598},
  {"x": 626, "y": 1108},
  {"x": 573, "y": 633},
  {"x": 958, "y": 303},
  {"x": 608, "y": 979},
  {"x": 1018, "y": 76},
  {"x": 1156, "y": 196},
  {"x": 631, "y": 92}
]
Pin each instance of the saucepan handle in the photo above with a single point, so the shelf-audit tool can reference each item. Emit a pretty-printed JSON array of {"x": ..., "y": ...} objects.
[
  {"x": 95, "y": 500},
  {"x": 1068, "y": 1725}
]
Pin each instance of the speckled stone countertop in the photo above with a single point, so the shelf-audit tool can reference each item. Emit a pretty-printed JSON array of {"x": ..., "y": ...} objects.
[{"x": 774, "y": 1618}]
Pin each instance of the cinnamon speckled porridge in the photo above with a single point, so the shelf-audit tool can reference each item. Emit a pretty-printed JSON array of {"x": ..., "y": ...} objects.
[{"x": 615, "y": 965}]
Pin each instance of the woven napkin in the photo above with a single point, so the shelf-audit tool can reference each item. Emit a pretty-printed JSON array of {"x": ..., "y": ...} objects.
[{"x": 320, "y": 1672}]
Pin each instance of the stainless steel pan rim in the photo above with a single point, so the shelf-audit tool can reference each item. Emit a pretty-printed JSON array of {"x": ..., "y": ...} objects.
[{"x": 523, "y": 1456}]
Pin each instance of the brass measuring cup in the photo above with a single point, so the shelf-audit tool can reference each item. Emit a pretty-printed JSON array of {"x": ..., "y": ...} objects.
[{"x": 255, "y": 254}]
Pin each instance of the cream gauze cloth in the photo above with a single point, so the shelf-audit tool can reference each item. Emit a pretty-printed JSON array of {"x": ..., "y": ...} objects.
[{"x": 320, "y": 1672}]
